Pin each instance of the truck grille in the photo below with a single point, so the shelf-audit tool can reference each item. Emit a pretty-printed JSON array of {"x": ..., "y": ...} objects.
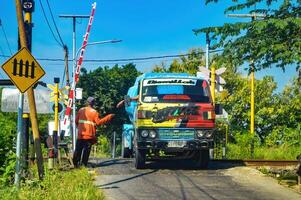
[{"x": 171, "y": 134}]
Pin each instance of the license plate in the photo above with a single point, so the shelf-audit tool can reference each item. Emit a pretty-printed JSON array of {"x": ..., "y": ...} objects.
[{"x": 176, "y": 144}]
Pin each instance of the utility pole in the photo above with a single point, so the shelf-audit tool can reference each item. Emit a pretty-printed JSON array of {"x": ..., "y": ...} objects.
[
  {"x": 253, "y": 16},
  {"x": 74, "y": 17},
  {"x": 30, "y": 92},
  {"x": 66, "y": 65}
]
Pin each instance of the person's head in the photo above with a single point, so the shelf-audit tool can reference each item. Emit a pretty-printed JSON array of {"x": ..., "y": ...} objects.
[{"x": 90, "y": 101}]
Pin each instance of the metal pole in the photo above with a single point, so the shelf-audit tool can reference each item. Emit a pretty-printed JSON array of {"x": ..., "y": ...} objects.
[
  {"x": 253, "y": 16},
  {"x": 213, "y": 83},
  {"x": 19, "y": 135},
  {"x": 56, "y": 117},
  {"x": 114, "y": 138},
  {"x": 207, "y": 50},
  {"x": 74, "y": 67},
  {"x": 72, "y": 128},
  {"x": 252, "y": 81},
  {"x": 25, "y": 143}
]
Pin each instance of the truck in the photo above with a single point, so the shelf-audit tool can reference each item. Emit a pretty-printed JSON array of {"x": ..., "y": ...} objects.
[{"x": 172, "y": 115}]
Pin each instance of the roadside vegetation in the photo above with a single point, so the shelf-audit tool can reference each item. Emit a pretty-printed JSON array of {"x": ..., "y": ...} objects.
[{"x": 64, "y": 185}]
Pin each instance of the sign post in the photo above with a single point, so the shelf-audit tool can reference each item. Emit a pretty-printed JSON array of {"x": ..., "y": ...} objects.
[{"x": 19, "y": 135}]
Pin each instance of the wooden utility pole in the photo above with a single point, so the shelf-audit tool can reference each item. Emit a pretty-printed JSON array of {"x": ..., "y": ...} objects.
[
  {"x": 30, "y": 92},
  {"x": 66, "y": 65}
]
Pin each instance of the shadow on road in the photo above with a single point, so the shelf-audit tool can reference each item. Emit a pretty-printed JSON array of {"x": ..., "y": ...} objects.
[
  {"x": 167, "y": 164},
  {"x": 188, "y": 165},
  {"x": 126, "y": 179},
  {"x": 112, "y": 162}
]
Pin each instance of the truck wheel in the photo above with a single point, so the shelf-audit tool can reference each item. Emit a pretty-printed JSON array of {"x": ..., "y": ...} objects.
[
  {"x": 203, "y": 158},
  {"x": 140, "y": 156},
  {"x": 126, "y": 152}
]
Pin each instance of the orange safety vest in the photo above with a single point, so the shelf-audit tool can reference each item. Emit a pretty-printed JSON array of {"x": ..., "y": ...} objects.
[{"x": 86, "y": 121}]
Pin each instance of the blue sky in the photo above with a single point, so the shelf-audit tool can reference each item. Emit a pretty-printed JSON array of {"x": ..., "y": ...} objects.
[{"x": 147, "y": 28}]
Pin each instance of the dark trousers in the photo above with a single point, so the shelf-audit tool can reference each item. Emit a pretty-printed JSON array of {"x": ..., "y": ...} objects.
[{"x": 82, "y": 152}]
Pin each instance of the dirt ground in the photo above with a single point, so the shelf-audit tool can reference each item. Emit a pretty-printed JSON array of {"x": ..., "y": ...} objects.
[{"x": 258, "y": 181}]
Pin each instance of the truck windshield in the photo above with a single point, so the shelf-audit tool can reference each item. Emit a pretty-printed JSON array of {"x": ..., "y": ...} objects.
[{"x": 175, "y": 90}]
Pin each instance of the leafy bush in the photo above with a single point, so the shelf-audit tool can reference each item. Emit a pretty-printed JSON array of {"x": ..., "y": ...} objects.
[
  {"x": 103, "y": 146},
  {"x": 64, "y": 185},
  {"x": 8, "y": 170}
]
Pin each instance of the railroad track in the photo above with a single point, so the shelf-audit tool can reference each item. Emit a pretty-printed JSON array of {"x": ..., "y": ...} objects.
[{"x": 259, "y": 162}]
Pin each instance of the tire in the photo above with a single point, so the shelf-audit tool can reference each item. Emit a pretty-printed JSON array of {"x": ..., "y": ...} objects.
[
  {"x": 203, "y": 158},
  {"x": 140, "y": 157},
  {"x": 126, "y": 152}
]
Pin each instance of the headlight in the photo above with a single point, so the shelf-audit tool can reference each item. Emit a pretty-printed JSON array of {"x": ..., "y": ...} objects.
[
  {"x": 144, "y": 133},
  {"x": 152, "y": 134},
  {"x": 209, "y": 133},
  {"x": 200, "y": 133}
]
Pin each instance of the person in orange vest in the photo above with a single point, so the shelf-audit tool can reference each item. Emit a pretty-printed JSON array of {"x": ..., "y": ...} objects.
[{"x": 86, "y": 121}]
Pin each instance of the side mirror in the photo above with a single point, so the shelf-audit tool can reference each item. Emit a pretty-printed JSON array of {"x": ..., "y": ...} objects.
[
  {"x": 218, "y": 109},
  {"x": 127, "y": 100}
]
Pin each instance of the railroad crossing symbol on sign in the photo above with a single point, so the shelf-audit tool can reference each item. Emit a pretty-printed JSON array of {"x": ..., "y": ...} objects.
[{"x": 23, "y": 70}]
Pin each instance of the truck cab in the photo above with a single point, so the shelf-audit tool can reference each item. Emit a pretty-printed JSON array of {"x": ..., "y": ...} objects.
[{"x": 172, "y": 116}]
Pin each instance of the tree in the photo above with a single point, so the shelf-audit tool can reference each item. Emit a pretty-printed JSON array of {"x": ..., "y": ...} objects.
[
  {"x": 188, "y": 64},
  {"x": 236, "y": 101},
  {"x": 108, "y": 86},
  {"x": 273, "y": 41}
]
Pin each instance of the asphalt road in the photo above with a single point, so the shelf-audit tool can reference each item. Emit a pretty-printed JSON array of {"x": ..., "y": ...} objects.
[{"x": 180, "y": 180}]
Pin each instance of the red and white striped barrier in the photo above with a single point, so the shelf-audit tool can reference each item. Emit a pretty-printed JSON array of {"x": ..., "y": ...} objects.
[{"x": 77, "y": 72}]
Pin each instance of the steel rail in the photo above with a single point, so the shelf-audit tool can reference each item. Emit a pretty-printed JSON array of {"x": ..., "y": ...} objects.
[{"x": 259, "y": 162}]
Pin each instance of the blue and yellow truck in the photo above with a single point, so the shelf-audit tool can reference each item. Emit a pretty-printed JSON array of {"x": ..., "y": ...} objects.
[{"x": 171, "y": 115}]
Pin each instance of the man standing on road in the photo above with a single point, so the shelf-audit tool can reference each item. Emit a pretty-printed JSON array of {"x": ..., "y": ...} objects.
[{"x": 86, "y": 121}]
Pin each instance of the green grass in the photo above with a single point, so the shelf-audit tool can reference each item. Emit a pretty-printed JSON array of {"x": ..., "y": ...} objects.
[
  {"x": 269, "y": 153},
  {"x": 57, "y": 185}
]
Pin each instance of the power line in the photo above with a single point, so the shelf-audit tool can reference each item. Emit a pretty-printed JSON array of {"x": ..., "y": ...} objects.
[
  {"x": 5, "y": 37},
  {"x": 2, "y": 51},
  {"x": 57, "y": 31},
  {"x": 126, "y": 59},
  {"x": 43, "y": 11}
]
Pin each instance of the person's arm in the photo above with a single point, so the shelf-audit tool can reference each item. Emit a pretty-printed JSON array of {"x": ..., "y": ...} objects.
[
  {"x": 121, "y": 103},
  {"x": 100, "y": 121}
]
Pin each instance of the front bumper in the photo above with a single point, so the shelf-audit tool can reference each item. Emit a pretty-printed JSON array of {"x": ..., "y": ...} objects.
[{"x": 163, "y": 145}]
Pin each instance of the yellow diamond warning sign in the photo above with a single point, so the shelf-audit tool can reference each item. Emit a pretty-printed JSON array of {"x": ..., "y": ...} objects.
[{"x": 23, "y": 70}]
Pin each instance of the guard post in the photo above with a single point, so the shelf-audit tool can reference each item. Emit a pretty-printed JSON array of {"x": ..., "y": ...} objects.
[{"x": 56, "y": 116}]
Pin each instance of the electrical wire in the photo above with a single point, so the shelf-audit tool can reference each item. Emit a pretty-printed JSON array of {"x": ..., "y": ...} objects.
[
  {"x": 60, "y": 41},
  {"x": 2, "y": 75},
  {"x": 53, "y": 35},
  {"x": 57, "y": 31},
  {"x": 2, "y": 27},
  {"x": 125, "y": 59},
  {"x": 1, "y": 50}
]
